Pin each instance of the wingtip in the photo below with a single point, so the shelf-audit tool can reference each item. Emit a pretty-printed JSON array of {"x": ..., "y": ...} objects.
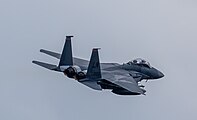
[
  {"x": 34, "y": 62},
  {"x": 41, "y": 50}
]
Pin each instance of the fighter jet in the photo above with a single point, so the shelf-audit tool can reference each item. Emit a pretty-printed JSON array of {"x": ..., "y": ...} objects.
[{"x": 121, "y": 79}]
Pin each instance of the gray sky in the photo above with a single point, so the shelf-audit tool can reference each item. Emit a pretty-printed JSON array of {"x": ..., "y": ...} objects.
[{"x": 160, "y": 31}]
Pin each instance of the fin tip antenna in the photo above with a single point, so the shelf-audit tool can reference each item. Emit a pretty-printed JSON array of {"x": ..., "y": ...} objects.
[
  {"x": 96, "y": 49},
  {"x": 69, "y": 36}
]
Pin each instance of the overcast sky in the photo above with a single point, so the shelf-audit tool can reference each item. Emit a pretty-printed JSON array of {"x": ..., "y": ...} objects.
[{"x": 161, "y": 31}]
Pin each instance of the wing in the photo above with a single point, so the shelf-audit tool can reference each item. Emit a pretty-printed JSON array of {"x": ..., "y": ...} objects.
[
  {"x": 82, "y": 63},
  {"x": 124, "y": 81},
  {"x": 50, "y": 53},
  {"x": 109, "y": 65}
]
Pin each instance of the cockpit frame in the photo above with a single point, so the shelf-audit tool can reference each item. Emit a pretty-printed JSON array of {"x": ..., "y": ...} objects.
[{"x": 140, "y": 62}]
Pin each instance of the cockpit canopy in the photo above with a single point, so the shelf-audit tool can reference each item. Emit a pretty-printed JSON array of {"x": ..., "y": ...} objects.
[{"x": 140, "y": 61}]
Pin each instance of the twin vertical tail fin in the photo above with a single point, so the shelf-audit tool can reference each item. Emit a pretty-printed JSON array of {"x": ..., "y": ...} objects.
[
  {"x": 94, "y": 70},
  {"x": 66, "y": 57}
]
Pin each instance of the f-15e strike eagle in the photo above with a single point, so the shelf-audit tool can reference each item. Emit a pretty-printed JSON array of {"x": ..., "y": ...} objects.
[{"x": 121, "y": 79}]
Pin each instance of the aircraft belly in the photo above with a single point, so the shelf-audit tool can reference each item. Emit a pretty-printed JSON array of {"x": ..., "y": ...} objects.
[{"x": 124, "y": 92}]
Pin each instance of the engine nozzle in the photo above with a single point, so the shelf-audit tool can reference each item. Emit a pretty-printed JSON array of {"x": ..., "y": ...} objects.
[{"x": 70, "y": 72}]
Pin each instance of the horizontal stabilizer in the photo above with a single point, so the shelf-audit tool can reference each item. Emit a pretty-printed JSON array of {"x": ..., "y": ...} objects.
[
  {"x": 46, "y": 65},
  {"x": 50, "y": 53}
]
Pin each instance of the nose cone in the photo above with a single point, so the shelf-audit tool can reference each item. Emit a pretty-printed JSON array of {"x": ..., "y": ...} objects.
[
  {"x": 156, "y": 74},
  {"x": 160, "y": 74}
]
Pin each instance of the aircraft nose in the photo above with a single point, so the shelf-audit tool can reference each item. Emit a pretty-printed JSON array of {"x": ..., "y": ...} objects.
[{"x": 160, "y": 74}]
